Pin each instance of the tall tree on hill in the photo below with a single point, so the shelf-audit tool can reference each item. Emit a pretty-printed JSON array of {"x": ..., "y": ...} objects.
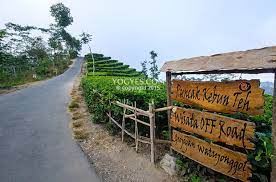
[
  {"x": 62, "y": 15},
  {"x": 144, "y": 68},
  {"x": 63, "y": 19},
  {"x": 85, "y": 39},
  {"x": 154, "y": 71}
]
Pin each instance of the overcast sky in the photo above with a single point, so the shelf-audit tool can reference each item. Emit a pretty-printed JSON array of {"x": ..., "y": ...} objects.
[{"x": 128, "y": 30}]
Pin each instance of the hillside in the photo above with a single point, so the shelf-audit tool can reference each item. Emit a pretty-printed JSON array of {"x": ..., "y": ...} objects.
[{"x": 105, "y": 66}]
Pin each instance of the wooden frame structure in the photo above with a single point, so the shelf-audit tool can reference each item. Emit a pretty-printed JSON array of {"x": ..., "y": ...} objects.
[
  {"x": 253, "y": 61},
  {"x": 134, "y": 117}
]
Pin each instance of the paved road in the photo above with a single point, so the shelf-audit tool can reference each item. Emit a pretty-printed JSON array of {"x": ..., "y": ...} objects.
[{"x": 35, "y": 142}]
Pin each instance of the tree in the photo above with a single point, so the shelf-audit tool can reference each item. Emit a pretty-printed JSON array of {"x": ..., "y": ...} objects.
[
  {"x": 154, "y": 71},
  {"x": 144, "y": 68},
  {"x": 63, "y": 19},
  {"x": 85, "y": 39},
  {"x": 37, "y": 49},
  {"x": 61, "y": 14}
]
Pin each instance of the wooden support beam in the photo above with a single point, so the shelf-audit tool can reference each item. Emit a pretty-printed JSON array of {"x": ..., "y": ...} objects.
[
  {"x": 152, "y": 133},
  {"x": 273, "y": 162},
  {"x": 169, "y": 102}
]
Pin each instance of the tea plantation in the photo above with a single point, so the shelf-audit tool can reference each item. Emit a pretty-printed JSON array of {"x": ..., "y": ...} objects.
[{"x": 105, "y": 66}]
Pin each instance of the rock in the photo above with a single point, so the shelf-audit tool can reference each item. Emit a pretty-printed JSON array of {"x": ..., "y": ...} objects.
[{"x": 168, "y": 163}]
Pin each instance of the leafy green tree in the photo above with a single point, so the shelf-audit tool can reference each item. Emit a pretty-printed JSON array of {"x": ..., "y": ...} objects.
[
  {"x": 154, "y": 71},
  {"x": 37, "y": 49},
  {"x": 144, "y": 68},
  {"x": 61, "y": 14},
  {"x": 63, "y": 19}
]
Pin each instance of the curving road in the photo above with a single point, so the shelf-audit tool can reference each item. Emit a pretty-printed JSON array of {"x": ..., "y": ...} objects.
[{"x": 35, "y": 142}]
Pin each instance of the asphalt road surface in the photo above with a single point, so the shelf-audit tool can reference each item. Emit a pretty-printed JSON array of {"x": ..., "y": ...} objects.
[{"x": 36, "y": 144}]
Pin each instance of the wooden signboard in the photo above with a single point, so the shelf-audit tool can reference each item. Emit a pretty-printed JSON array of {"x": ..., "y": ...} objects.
[
  {"x": 215, "y": 127},
  {"x": 218, "y": 158},
  {"x": 227, "y": 97}
]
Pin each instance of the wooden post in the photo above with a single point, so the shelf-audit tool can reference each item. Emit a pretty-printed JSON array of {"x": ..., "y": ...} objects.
[
  {"x": 151, "y": 133},
  {"x": 123, "y": 124},
  {"x": 169, "y": 101},
  {"x": 109, "y": 111},
  {"x": 136, "y": 128},
  {"x": 153, "y": 119},
  {"x": 273, "y": 162}
]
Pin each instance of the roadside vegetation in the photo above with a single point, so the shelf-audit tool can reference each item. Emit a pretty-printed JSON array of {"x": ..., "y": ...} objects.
[
  {"x": 29, "y": 53},
  {"x": 112, "y": 80}
]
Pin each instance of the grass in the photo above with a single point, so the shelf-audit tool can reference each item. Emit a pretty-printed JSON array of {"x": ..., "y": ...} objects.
[
  {"x": 76, "y": 116},
  {"x": 77, "y": 123},
  {"x": 73, "y": 104},
  {"x": 80, "y": 133}
]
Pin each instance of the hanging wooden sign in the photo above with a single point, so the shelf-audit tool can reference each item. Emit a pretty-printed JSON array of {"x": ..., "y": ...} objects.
[
  {"x": 215, "y": 127},
  {"x": 223, "y": 160},
  {"x": 228, "y": 97}
]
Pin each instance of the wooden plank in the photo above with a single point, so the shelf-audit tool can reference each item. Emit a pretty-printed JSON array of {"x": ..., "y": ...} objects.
[
  {"x": 215, "y": 127},
  {"x": 228, "y": 97},
  {"x": 220, "y": 159}
]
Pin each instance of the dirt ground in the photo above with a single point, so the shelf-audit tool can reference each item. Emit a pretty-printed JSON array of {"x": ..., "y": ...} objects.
[{"x": 113, "y": 159}]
